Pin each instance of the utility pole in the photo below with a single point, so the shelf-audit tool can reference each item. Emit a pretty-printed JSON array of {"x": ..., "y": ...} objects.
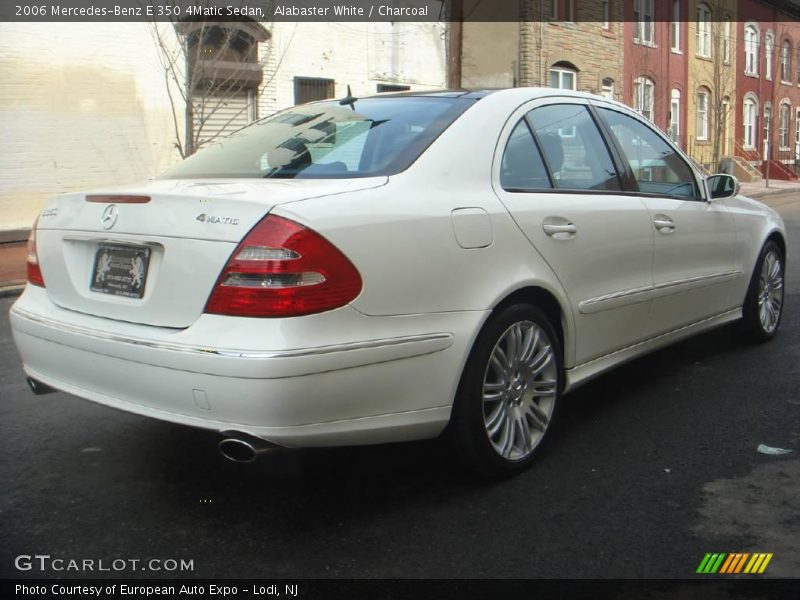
[{"x": 454, "y": 43}]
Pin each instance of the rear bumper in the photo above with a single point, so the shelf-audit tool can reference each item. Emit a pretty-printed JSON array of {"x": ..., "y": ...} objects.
[{"x": 331, "y": 379}]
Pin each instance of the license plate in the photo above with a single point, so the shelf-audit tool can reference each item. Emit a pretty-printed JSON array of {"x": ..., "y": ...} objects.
[{"x": 120, "y": 270}]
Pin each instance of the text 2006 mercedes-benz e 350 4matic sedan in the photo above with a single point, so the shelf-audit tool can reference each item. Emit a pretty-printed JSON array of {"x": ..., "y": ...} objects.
[{"x": 362, "y": 271}]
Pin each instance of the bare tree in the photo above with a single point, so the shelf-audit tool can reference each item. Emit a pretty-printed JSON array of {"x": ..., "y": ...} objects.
[
  {"x": 722, "y": 80},
  {"x": 212, "y": 73}
]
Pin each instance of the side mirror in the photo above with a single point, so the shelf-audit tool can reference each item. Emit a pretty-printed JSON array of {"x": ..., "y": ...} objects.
[{"x": 723, "y": 186}]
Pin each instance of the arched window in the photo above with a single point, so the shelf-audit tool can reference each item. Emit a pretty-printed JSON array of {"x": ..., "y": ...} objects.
[
  {"x": 675, "y": 116},
  {"x": 703, "y": 30},
  {"x": 749, "y": 117},
  {"x": 751, "y": 50},
  {"x": 786, "y": 61},
  {"x": 564, "y": 75},
  {"x": 643, "y": 94},
  {"x": 783, "y": 125},
  {"x": 703, "y": 106},
  {"x": 769, "y": 47}
]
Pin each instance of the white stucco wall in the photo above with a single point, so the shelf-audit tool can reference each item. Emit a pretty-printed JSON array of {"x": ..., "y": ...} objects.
[{"x": 85, "y": 104}]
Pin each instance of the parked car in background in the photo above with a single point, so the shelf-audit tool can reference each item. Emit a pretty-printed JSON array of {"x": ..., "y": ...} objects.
[{"x": 382, "y": 269}]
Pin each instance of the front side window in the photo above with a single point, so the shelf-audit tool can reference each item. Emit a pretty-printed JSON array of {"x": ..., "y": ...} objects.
[
  {"x": 703, "y": 30},
  {"x": 522, "y": 168},
  {"x": 702, "y": 115},
  {"x": 573, "y": 148},
  {"x": 656, "y": 166},
  {"x": 326, "y": 140},
  {"x": 751, "y": 50},
  {"x": 643, "y": 21},
  {"x": 643, "y": 94}
]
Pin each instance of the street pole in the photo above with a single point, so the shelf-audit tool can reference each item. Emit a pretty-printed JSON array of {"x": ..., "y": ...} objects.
[{"x": 455, "y": 44}]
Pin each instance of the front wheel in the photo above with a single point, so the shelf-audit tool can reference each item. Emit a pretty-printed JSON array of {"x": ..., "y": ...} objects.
[
  {"x": 509, "y": 391},
  {"x": 764, "y": 303}
]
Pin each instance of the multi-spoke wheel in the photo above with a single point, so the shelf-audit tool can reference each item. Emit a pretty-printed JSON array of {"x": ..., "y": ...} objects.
[
  {"x": 764, "y": 303},
  {"x": 509, "y": 391}
]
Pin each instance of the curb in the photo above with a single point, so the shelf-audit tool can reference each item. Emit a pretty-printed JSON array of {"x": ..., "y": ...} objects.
[
  {"x": 770, "y": 192},
  {"x": 11, "y": 290}
]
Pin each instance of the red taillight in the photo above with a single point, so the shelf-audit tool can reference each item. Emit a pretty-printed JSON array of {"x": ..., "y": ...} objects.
[
  {"x": 34, "y": 272},
  {"x": 282, "y": 269}
]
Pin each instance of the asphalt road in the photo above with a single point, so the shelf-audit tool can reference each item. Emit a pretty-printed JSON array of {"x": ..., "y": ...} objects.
[{"x": 649, "y": 468}]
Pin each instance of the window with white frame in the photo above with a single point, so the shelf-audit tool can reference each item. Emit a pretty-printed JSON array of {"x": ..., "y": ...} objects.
[
  {"x": 786, "y": 61},
  {"x": 751, "y": 50},
  {"x": 783, "y": 126},
  {"x": 675, "y": 116},
  {"x": 701, "y": 126},
  {"x": 606, "y": 14},
  {"x": 643, "y": 94},
  {"x": 675, "y": 26},
  {"x": 769, "y": 48},
  {"x": 726, "y": 40},
  {"x": 749, "y": 112},
  {"x": 607, "y": 88},
  {"x": 643, "y": 22},
  {"x": 563, "y": 77},
  {"x": 703, "y": 30}
]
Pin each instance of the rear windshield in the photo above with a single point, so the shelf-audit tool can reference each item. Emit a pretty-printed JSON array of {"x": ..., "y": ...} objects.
[{"x": 374, "y": 136}]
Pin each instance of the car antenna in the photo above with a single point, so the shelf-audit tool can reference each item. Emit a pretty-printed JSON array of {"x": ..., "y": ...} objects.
[{"x": 349, "y": 100}]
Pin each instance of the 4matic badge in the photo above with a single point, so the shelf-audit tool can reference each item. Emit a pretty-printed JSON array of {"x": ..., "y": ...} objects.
[{"x": 214, "y": 219}]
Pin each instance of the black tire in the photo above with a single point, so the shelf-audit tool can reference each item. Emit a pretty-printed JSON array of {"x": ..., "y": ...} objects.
[
  {"x": 755, "y": 328},
  {"x": 474, "y": 417}
]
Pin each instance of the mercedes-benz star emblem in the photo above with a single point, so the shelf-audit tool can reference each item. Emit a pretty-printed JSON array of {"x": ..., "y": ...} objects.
[{"x": 109, "y": 218}]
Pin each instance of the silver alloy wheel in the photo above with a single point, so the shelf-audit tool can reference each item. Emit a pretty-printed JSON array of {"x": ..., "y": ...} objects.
[
  {"x": 770, "y": 291},
  {"x": 519, "y": 390}
]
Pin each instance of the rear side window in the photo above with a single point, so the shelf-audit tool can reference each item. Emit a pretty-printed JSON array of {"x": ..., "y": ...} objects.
[
  {"x": 573, "y": 148},
  {"x": 656, "y": 166},
  {"x": 522, "y": 168}
]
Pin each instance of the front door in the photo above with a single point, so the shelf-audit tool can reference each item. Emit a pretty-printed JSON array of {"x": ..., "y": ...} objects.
[
  {"x": 694, "y": 239},
  {"x": 555, "y": 176}
]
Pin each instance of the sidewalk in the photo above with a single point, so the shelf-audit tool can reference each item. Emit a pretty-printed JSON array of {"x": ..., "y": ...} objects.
[{"x": 13, "y": 249}]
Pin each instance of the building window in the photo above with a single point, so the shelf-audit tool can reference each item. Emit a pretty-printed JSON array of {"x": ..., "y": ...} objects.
[
  {"x": 607, "y": 89},
  {"x": 769, "y": 48},
  {"x": 783, "y": 126},
  {"x": 786, "y": 61},
  {"x": 726, "y": 41},
  {"x": 553, "y": 10},
  {"x": 703, "y": 30},
  {"x": 311, "y": 89},
  {"x": 569, "y": 11},
  {"x": 702, "y": 115},
  {"x": 643, "y": 94},
  {"x": 751, "y": 50},
  {"x": 798, "y": 64},
  {"x": 606, "y": 14},
  {"x": 750, "y": 110},
  {"x": 675, "y": 26},
  {"x": 643, "y": 21},
  {"x": 675, "y": 116},
  {"x": 392, "y": 87},
  {"x": 563, "y": 77}
]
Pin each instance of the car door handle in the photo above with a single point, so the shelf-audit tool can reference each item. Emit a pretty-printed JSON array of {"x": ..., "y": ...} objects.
[
  {"x": 664, "y": 224},
  {"x": 552, "y": 230}
]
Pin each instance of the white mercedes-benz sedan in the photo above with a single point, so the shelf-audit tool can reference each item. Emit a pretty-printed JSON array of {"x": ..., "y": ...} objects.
[{"x": 373, "y": 270}]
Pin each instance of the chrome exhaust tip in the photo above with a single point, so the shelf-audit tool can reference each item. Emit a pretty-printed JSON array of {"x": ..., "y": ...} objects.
[
  {"x": 39, "y": 388},
  {"x": 243, "y": 448}
]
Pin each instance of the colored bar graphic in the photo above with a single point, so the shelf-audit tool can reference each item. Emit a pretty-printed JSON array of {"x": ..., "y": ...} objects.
[{"x": 734, "y": 563}]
